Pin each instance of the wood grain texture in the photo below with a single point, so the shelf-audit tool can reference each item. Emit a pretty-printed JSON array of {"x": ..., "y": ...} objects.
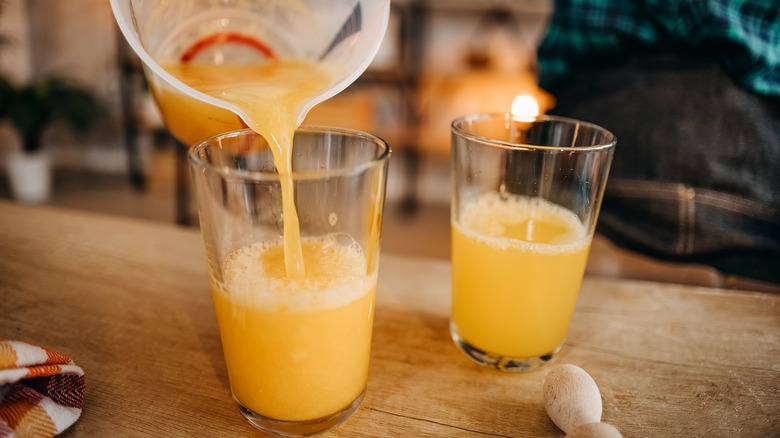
[{"x": 130, "y": 302}]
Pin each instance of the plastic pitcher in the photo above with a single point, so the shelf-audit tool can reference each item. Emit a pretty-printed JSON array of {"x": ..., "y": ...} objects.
[{"x": 344, "y": 34}]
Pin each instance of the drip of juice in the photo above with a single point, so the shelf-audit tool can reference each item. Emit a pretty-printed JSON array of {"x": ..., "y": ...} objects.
[
  {"x": 272, "y": 94},
  {"x": 517, "y": 265}
]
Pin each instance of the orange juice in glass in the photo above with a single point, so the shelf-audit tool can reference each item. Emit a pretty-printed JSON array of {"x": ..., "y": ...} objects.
[
  {"x": 526, "y": 195},
  {"x": 296, "y": 349},
  {"x": 296, "y": 343}
]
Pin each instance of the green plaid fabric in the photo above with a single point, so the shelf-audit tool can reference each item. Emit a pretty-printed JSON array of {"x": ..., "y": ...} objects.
[{"x": 743, "y": 35}]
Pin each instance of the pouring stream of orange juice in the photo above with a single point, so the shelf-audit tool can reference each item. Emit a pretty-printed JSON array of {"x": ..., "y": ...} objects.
[{"x": 272, "y": 94}]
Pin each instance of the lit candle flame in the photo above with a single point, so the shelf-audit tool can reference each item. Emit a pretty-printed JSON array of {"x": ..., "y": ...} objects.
[{"x": 525, "y": 106}]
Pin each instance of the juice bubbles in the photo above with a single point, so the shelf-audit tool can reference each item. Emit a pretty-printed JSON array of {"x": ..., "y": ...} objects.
[
  {"x": 296, "y": 349},
  {"x": 517, "y": 265}
]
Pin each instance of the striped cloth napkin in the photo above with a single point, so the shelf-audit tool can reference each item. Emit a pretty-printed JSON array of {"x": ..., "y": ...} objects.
[{"x": 41, "y": 391}]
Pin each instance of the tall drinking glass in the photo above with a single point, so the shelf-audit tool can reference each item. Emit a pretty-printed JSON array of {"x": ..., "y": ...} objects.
[
  {"x": 526, "y": 196},
  {"x": 296, "y": 346}
]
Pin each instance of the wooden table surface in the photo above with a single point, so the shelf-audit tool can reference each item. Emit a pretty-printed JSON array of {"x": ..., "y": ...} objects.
[{"x": 129, "y": 301}]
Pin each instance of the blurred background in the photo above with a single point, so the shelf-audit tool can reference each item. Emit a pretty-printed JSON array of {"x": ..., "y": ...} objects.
[{"x": 440, "y": 59}]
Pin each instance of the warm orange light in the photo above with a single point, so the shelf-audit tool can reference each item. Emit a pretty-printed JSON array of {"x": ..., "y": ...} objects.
[{"x": 525, "y": 105}]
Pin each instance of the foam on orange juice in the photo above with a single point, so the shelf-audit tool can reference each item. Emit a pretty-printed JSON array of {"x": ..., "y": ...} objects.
[
  {"x": 296, "y": 348},
  {"x": 517, "y": 265}
]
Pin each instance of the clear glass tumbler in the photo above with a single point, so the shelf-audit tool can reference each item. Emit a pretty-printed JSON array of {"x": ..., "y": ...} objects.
[
  {"x": 296, "y": 346},
  {"x": 526, "y": 196}
]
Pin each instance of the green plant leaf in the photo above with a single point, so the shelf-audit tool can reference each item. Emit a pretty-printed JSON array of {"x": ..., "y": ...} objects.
[{"x": 35, "y": 106}]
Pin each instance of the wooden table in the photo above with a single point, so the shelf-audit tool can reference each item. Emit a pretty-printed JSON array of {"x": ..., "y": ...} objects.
[{"x": 130, "y": 302}]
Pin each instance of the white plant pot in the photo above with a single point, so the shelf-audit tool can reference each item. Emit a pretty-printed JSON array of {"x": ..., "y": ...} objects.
[{"x": 30, "y": 176}]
